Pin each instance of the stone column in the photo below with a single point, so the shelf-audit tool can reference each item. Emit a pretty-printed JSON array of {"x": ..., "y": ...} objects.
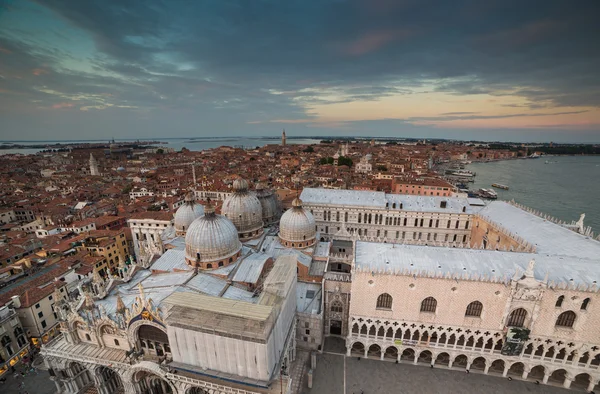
[
  {"x": 450, "y": 363},
  {"x": 348, "y": 351},
  {"x": 506, "y": 368},
  {"x": 58, "y": 388},
  {"x": 486, "y": 369},
  {"x": 416, "y": 358},
  {"x": 468, "y": 365},
  {"x": 382, "y": 354},
  {"x": 568, "y": 381},
  {"x": 593, "y": 383},
  {"x": 525, "y": 374},
  {"x": 366, "y": 352},
  {"x": 545, "y": 379}
]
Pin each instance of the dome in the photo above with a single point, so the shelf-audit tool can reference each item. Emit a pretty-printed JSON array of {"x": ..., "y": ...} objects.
[
  {"x": 240, "y": 185},
  {"x": 211, "y": 241},
  {"x": 297, "y": 226},
  {"x": 121, "y": 169},
  {"x": 269, "y": 203},
  {"x": 187, "y": 213},
  {"x": 244, "y": 210}
]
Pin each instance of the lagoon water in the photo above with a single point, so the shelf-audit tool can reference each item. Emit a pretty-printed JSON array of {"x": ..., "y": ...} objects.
[
  {"x": 193, "y": 144},
  {"x": 564, "y": 187}
]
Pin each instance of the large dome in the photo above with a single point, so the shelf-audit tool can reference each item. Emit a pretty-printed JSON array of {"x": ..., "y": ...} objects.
[
  {"x": 297, "y": 226},
  {"x": 244, "y": 210},
  {"x": 211, "y": 241},
  {"x": 187, "y": 213},
  {"x": 269, "y": 203}
]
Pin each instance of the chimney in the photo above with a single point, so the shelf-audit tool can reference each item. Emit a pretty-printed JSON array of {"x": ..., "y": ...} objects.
[{"x": 16, "y": 301}]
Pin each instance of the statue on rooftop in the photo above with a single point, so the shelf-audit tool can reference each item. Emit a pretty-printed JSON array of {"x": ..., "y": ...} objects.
[{"x": 580, "y": 223}]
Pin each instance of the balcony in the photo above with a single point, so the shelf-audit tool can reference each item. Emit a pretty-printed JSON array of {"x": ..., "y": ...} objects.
[{"x": 338, "y": 276}]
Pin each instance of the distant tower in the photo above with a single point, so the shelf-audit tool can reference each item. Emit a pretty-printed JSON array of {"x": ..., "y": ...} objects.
[
  {"x": 283, "y": 138},
  {"x": 93, "y": 166}
]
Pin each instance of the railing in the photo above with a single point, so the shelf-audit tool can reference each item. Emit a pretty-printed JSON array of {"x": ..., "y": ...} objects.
[{"x": 338, "y": 276}]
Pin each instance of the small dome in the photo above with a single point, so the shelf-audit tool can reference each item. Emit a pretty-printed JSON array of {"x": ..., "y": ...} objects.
[
  {"x": 244, "y": 210},
  {"x": 187, "y": 213},
  {"x": 121, "y": 169},
  {"x": 211, "y": 241},
  {"x": 270, "y": 205},
  {"x": 297, "y": 226},
  {"x": 240, "y": 185}
]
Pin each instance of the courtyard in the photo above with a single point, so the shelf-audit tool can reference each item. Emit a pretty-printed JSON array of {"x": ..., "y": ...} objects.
[{"x": 338, "y": 374}]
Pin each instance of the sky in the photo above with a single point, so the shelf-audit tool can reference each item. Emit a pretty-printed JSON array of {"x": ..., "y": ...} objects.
[{"x": 461, "y": 69}]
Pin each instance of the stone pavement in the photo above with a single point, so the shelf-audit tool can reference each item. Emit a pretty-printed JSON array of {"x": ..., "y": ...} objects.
[
  {"x": 37, "y": 382},
  {"x": 338, "y": 374}
]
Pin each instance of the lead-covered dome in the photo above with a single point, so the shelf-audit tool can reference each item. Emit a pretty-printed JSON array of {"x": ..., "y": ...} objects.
[
  {"x": 244, "y": 210},
  {"x": 211, "y": 241},
  {"x": 297, "y": 226},
  {"x": 187, "y": 213},
  {"x": 270, "y": 205}
]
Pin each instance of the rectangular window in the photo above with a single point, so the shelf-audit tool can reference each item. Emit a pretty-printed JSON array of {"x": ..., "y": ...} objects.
[
  {"x": 307, "y": 332},
  {"x": 44, "y": 324},
  {"x": 37, "y": 306}
]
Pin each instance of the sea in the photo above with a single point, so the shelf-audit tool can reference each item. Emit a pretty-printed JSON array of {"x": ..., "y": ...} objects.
[
  {"x": 193, "y": 144},
  {"x": 561, "y": 186}
]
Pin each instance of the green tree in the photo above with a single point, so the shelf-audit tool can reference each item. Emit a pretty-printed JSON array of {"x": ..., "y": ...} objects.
[
  {"x": 160, "y": 151},
  {"x": 326, "y": 160},
  {"x": 381, "y": 168},
  {"x": 308, "y": 149},
  {"x": 345, "y": 161}
]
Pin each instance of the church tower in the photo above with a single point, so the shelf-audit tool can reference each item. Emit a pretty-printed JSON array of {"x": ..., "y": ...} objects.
[
  {"x": 283, "y": 138},
  {"x": 93, "y": 166}
]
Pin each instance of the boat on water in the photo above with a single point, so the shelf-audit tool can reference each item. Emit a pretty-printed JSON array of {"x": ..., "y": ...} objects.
[
  {"x": 487, "y": 193},
  {"x": 500, "y": 186}
]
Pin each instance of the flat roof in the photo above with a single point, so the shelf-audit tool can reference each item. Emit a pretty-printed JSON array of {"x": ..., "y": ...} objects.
[
  {"x": 219, "y": 305},
  {"x": 381, "y": 200},
  {"x": 398, "y": 258},
  {"x": 549, "y": 238}
]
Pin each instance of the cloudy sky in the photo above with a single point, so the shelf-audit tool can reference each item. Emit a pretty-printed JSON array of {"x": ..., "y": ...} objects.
[{"x": 469, "y": 69}]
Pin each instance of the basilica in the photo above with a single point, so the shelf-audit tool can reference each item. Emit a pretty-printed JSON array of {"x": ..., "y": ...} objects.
[{"x": 220, "y": 303}]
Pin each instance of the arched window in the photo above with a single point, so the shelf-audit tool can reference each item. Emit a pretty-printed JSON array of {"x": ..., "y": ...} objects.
[
  {"x": 116, "y": 342},
  {"x": 87, "y": 337},
  {"x": 566, "y": 319},
  {"x": 220, "y": 263},
  {"x": 429, "y": 304},
  {"x": 336, "y": 306},
  {"x": 208, "y": 265},
  {"x": 560, "y": 300},
  {"x": 384, "y": 301},
  {"x": 584, "y": 304},
  {"x": 474, "y": 309},
  {"x": 394, "y": 205},
  {"x": 517, "y": 318}
]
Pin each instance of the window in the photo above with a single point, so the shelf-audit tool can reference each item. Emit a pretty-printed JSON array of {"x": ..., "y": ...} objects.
[
  {"x": 116, "y": 342},
  {"x": 87, "y": 337},
  {"x": 307, "y": 332},
  {"x": 40, "y": 314},
  {"x": 384, "y": 301},
  {"x": 584, "y": 304},
  {"x": 517, "y": 318},
  {"x": 566, "y": 319},
  {"x": 559, "y": 301},
  {"x": 429, "y": 304},
  {"x": 336, "y": 306},
  {"x": 443, "y": 204},
  {"x": 474, "y": 309},
  {"x": 37, "y": 306},
  {"x": 50, "y": 298}
]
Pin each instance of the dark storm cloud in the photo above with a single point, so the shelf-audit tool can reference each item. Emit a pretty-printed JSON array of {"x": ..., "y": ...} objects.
[
  {"x": 265, "y": 60},
  {"x": 548, "y": 45}
]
